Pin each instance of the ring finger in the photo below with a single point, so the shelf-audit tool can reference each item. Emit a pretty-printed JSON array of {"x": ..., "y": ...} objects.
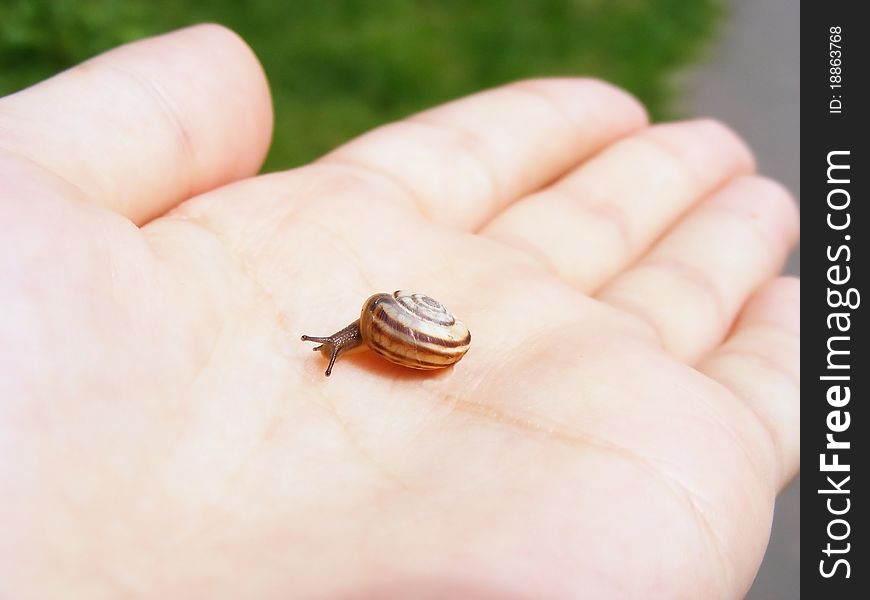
[{"x": 693, "y": 282}]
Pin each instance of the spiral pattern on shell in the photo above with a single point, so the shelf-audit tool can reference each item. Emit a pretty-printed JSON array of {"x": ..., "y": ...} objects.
[{"x": 413, "y": 330}]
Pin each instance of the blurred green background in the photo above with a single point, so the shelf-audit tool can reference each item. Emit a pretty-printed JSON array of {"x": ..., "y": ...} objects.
[{"x": 339, "y": 67}]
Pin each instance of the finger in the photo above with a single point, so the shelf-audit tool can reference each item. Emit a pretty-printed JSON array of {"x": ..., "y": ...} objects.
[
  {"x": 692, "y": 283},
  {"x": 760, "y": 363},
  {"x": 146, "y": 125},
  {"x": 463, "y": 162},
  {"x": 598, "y": 219}
]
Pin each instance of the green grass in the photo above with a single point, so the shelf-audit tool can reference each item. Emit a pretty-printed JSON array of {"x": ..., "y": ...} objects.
[{"x": 339, "y": 67}]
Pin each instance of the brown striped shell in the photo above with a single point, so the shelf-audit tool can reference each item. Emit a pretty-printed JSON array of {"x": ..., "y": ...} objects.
[{"x": 413, "y": 330}]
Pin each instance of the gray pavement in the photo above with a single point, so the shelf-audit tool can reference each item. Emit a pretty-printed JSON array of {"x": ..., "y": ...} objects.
[{"x": 752, "y": 82}]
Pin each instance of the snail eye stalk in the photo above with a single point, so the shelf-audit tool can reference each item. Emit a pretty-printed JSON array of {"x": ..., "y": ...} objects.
[{"x": 337, "y": 344}]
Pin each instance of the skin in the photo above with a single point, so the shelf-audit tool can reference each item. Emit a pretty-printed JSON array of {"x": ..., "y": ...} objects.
[{"x": 620, "y": 427}]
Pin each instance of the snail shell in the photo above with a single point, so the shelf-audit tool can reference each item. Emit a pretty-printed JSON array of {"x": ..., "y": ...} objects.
[
  {"x": 408, "y": 329},
  {"x": 413, "y": 330}
]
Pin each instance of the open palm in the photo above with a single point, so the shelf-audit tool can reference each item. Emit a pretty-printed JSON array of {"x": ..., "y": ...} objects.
[{"x": 619, "y": 428}]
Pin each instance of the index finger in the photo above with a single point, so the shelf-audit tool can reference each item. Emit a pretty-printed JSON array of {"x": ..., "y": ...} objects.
[{"x": 462, "y": 162}]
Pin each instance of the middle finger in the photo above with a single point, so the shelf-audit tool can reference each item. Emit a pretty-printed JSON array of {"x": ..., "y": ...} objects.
[{"x": 600, "y": 218}]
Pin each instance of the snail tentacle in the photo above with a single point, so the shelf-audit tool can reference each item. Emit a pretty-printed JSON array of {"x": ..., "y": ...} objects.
[{"x": 337, "y": 344}]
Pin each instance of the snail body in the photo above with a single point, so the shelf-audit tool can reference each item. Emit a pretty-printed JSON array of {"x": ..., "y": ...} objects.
[{"x": 408, "y": 329}]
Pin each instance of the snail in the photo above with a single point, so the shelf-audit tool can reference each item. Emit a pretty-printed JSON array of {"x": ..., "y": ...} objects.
[{"x": 412, "y": 330}]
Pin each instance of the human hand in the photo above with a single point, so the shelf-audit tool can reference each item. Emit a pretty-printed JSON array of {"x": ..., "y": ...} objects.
[{"x": 619, "y": 428}]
